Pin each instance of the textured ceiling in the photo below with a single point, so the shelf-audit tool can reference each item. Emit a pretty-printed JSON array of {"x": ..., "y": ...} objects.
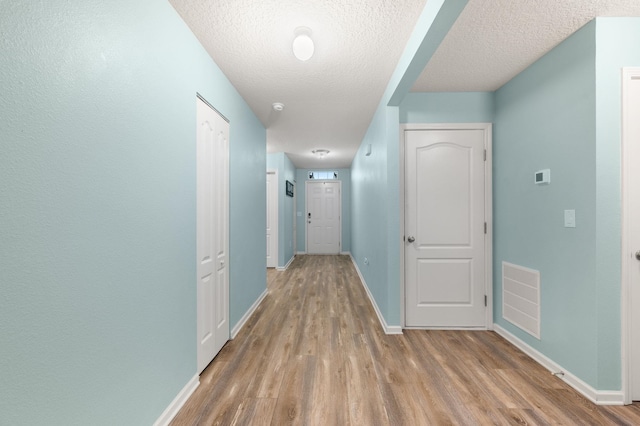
[
  {"x": 494, "y": 40},
  {"x": 330, "y": 99}
]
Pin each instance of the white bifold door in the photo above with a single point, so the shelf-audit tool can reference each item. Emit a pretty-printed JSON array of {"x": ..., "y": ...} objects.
[
  {"x": 323, "y": 217},
  {"x": 444, "y": 228},
  {"x": 212, "y": 235},
  {"x": 631, "y": 221}
]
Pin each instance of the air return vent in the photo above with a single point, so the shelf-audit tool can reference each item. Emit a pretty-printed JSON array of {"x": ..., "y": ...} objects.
[{"x": 521, "y": 297}]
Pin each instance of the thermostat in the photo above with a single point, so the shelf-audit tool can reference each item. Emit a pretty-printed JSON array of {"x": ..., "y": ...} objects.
[{"x": 542, "y": 177}]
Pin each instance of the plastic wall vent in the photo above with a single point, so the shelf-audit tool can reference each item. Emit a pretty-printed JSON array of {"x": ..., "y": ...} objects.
[{"x": 521, "y": 297}]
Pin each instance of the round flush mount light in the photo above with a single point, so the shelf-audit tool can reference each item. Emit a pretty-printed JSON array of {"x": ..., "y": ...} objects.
[
  {"x": 320, "y": 153},
  {"x": 277, "y": 106},
  {"x": 303, "y": 46}
]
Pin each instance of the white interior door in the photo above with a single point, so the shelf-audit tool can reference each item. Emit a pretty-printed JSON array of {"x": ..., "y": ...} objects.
[
  {"x": 444, "y": 228},
  {"x": 212, "y": 235},
  {"x": 631, "y": 217},
  {"x": 323, "y": 217},
  {"x": 295, "y": 221},
  {"x": 272, "y": 218}
]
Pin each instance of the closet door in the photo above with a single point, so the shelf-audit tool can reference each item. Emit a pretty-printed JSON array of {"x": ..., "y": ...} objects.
[{"x": 212, "y": 237}]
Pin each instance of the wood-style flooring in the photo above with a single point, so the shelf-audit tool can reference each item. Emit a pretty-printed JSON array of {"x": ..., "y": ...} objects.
[{"x": 314, "y": 354}]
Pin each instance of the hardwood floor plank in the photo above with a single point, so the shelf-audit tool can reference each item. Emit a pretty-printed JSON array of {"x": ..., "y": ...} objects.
[
  {"x": 329, "y": 389},
  {"x": 255, "y": 412},
  {"x": 313, "y": 353},
  {"x": 365, "y": 402},
  {"x": 294, "y": 400}
]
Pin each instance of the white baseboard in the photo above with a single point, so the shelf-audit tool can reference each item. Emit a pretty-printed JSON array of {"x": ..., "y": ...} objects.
[
  {"x": 598, "y": 397},
  {"x": 284, "y": 268},
  {"x": 388, "y": 329},
  {"x": 236, "y": 329},
  {"x": 346, "y": 253},
  {"x": 170, "y": 412},
  {"x": 301, "y": 252}
]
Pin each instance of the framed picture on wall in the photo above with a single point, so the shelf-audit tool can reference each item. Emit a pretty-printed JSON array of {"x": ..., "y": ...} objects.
[{"x": 289, "y": 189}]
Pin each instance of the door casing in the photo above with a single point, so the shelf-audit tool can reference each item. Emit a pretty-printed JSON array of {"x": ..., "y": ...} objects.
[{"x": 488, "y": 210}]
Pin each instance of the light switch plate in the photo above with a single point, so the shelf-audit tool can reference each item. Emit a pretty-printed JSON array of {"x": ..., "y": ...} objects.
[{"x": 569, "y": 218}]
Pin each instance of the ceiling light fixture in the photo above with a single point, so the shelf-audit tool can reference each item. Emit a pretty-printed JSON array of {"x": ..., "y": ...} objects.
[
  {"x": 277, "y": 106},
  {"x": 303, "y": 47},
  {"x": 320, "y": 153}
]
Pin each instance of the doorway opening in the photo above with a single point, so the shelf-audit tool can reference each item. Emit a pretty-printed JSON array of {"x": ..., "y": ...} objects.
[{"x": 272, "y": 218}]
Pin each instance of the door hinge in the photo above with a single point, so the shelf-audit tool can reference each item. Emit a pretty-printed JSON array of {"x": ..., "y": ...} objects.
[
  {"x": 485, "y": 227},
  {"x": 485, "y": 300},
  {"x": 485, "y": 155}
]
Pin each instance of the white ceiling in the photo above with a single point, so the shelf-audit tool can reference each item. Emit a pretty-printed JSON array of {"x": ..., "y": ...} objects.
[
  {"x": 494, "y": 40},
  {"x": 330, "y": 99}
]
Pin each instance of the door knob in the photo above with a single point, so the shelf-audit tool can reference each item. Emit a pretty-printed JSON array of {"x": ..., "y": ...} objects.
[
  {"x": 411, "y": 239},
  {"x": 638, "y": 255}
]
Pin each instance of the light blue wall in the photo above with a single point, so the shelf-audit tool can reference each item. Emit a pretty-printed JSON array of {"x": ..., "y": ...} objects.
[
  {"x": 368, "y": 208},
  {"x": 344, "y": 175},
  {"x": 97, "y": 218},
  {"x": 286, "y": 172},
  {"x": 563, "y": 113},
  {"x": 375, "y": 231},
  {"x": 447, "y": 107},
  {"x": 545, "y": 118},
  {"x": 617, "y": 41}
]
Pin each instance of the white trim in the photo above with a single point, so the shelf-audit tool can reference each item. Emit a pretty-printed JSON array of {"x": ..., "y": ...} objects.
[
  {"x": 482, "y": 328},
  {"x": 236, "y": 329},
  {"x": 301, "y": 252},
  {"x": 388, "y": 329},
  {"x": 170, "y": 412},
  {"x": 345, "y": 253},
  {"x": 488, "y": 217},
  {"x": 488, "y": 208},
  {"x": 599, "y": 397},
  {"x": 284, "y": 268},
  {"x": 627, "y": 261},
  {"x": 401, "y": 242}
]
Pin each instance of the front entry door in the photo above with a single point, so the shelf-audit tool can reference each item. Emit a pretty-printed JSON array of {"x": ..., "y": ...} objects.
[
  {"x": 212, "y": 233},
  {"x": 323, "y": 217},
  {"x": 445, "y": 228}
]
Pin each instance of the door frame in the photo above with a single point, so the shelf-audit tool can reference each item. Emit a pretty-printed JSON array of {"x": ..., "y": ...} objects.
[
  {"x": 627, "y": 175},
  {"x": 488, "y": 209},
  {"x": 276, "y": 227},
  {"x": 306, "y": 210}
]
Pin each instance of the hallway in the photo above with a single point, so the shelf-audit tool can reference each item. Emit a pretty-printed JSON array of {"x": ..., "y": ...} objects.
[{"x": 314, "y": 353}]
